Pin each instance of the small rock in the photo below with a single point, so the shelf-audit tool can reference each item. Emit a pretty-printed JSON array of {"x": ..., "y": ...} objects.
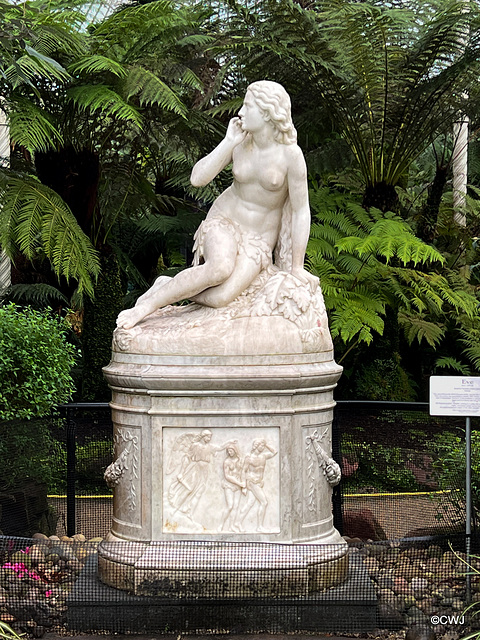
[
  {"x": 410, "y": 601},
  {"x": 400, "y": 583},
  {"x": 414, "y": 613},
  {"x": 419, "y": 584},
  {"x": 54, "y": 538},
  {"x": 420, "y": 632},
  {"x": 52, "y": 558},
  {"x": 385, "y": 582},
  {"x": 21, "y": 557},
  {"x": 75, "y": 565},
  {"x": 389, "y": 617},
  {"x": 39, "y": 536},
  {"x": 81, "y": 553},
  {"x": 432, "y": 563},
  {"x": 371, "y": 565},
  {"x": 79, "y": 537},
  {"x": 36, "y": 555},
  {"x": 457, "y": 604},
  {"x": 386, "y": 594}
]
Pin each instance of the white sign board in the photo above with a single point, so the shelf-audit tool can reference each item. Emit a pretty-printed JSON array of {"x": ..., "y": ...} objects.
[{"x": 454, "y": 396}]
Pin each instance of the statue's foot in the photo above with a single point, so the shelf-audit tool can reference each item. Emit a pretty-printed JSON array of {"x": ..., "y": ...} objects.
[{"x": 130, "y": 317}]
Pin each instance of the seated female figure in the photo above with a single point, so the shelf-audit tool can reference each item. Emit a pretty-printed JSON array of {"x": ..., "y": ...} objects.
[{"x": 265, "y": 208}]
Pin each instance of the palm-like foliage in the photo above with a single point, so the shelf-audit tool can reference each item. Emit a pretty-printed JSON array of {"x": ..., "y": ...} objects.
[
  {"x": 392, "y": 77},
  {"x": 104, "y": 96}
]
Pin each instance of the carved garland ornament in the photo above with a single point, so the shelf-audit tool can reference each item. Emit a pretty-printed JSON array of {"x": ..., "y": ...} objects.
[
  {"x": 317, "y": 456},
  {"x": 126, "y": 465}
]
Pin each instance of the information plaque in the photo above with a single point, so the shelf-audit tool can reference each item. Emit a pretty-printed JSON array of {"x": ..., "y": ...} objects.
[{"x": 454, "y": 396}]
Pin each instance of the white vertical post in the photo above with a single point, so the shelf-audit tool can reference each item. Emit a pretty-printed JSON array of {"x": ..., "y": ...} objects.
[
  {"x": 460, "y": 152},
  {"x": 5, "y": 267},
  {"x": 460, "y": 170}
]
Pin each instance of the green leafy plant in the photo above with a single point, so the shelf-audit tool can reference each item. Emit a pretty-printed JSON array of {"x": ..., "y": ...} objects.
[
  {"x": 7, "y": 633},
  {"x": 369, "y": 262},
  {"x": 35, "y": 374},
  {"x": 35, "y": 362}
]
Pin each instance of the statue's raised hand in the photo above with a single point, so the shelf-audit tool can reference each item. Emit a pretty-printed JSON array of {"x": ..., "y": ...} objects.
[{"x": 235, "y": 134}]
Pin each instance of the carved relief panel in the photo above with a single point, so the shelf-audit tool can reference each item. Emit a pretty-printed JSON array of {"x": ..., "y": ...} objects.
[{"x": 221, "y": 480}]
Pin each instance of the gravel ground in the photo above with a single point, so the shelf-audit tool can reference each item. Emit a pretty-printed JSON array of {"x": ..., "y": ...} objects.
[{"x": 413, "y": 585}]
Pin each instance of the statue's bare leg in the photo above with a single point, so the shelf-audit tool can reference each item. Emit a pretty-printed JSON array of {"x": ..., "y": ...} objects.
[
  {"x": 245, "y": 272},
  {"x": 159, "y": 282},
  {"x": 220, "y": 259}
]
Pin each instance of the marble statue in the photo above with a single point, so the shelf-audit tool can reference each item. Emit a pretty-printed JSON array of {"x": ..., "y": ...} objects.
[
  {"x": 222, "y": 408},
  {"x": 265, "y": 209}
]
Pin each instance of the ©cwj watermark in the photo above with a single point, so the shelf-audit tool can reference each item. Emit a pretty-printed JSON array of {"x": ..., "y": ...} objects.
[{"x": 447, "y": 619}]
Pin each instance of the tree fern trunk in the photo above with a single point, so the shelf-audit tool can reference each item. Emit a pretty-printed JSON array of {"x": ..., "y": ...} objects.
[
  {"x": 381, "y": 195},
  {"x": 429, "y": 215}
]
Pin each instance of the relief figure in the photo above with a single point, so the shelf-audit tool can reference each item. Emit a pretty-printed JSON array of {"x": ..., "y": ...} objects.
[
  {"x": 254, "y": 470},
  {"x": 232, "y": 484},
  {"x": 191, "y": 460}
]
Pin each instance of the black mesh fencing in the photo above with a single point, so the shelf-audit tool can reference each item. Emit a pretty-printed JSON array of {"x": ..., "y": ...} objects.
[
  {"x": 404, "y": 471},
  {"x": 401, "y": 507},
  {"x": 51, "y": 584}
]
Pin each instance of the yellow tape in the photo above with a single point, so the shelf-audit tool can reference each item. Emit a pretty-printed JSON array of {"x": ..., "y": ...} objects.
[
  {"x": 83, "y": 497},
  {"x": 345, "y": 495},
  {"x": 378, "y": 495}
]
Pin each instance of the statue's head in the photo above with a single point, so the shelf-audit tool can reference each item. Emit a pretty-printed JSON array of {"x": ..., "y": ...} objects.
[
  {"x": 274, "y": 101},
  {"x": 259, "y": 444},
  {"x": 206, "y": 435},
  {"x": 232, "y": 451}
]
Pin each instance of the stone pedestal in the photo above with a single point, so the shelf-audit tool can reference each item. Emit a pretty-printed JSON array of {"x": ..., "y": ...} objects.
[{"x": 222, "y": 447}]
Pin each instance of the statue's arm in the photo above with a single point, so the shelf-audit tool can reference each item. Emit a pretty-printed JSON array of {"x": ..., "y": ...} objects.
[
  {"x": 209, "y": 167},
  {"x": 298, "y": 194}
]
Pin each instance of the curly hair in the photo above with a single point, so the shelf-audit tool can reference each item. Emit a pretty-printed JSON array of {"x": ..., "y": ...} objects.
[{"x": 274, "y": 101}]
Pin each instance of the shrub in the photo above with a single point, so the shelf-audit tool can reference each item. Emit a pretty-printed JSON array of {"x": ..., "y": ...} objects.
[{"x": 35, "y": 362}]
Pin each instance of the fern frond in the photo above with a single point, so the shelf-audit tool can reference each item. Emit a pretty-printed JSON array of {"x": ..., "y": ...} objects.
[
  {"x": 471, "y": 340},
  {"x": 31, "y": 127},
  {"x": 447, "y": 362},
  {"x": 416, "y": 327},
  {"x": 391, "y": 238},
  {"x": 101, "y": 98},
  {"x": 151, "y": 89},
  {"x": 40, "y": 293},
  {"x": 97, "y": 64},
  {"x": 31, "y": 68},
  {"x": 34, "y": 217}
]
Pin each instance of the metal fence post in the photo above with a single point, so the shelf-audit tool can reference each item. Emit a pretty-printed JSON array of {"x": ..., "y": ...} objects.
[{"x": 71, "y": 473}]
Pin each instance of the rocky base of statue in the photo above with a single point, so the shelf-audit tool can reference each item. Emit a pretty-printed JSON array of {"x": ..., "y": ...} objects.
[{"x": 277, "y": 314}]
